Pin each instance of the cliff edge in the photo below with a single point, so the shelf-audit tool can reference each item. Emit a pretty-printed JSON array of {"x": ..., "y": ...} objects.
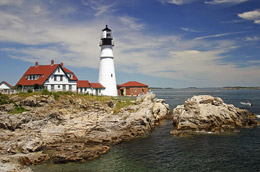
[{"x": 72, "y": 128}]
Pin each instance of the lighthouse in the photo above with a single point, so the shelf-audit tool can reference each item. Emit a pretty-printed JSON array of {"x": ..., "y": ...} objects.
[{"x": 107, "y": 76}]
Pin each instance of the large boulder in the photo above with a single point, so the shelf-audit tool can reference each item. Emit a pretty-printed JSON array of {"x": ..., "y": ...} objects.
[
  {"x": 207, "y": 113},
  {"x": 30, "y": 101}
]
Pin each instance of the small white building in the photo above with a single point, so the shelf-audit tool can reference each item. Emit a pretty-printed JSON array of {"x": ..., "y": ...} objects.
[
  {"x": 84, "y": 87},
  {"x": 6, "y": 88},
  {"x": 53, "y": 77}
]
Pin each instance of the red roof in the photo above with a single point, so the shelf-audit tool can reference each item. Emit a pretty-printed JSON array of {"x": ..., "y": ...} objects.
[
  {"x": 96, "y": 85},
  {"x": 3, "y": 82},
  {"x": 133, "y": 84},
  {"x": 83, "y": 84},
  {"x": 74, "y": 78},
  {"x": 44, "y": 71}
]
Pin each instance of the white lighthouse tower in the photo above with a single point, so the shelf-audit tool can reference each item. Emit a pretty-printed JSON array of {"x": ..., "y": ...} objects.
[{"x": 107, "y": 76}]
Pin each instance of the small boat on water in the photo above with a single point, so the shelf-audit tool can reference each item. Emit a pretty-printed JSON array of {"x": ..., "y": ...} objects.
[{"x": 246, "y": 103}]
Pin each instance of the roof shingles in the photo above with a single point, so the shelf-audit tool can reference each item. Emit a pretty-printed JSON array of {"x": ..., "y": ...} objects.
[{"x": 133, "y": 84}]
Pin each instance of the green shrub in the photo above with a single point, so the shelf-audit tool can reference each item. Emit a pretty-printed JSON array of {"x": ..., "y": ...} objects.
[
  {"x": 4, "y": 99},
  {"x": 29, "y": 91},
  {"x": 121, "y": 104},
  {"x": 18, "y": 109},
  {"x": 56, "y": 95},
  {"x": 45, "y": 92}
]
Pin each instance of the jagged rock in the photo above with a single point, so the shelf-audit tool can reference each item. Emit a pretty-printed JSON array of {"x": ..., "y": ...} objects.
[
  {"x": 7, "y": 107},
  {"x": 51, "y": 100},
  {"x": 110, "y": 104},
  {"x": 14, "y": 121},
  {"x": 207, "y": 113},
  {"x": 30, "y": 101},
  {"x": 32, "y": 145},
  {"x": 77, "y": 152}
]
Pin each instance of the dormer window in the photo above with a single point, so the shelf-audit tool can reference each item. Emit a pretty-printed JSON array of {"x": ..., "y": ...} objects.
[
  {"x": 58, "y": 69},
  {"x": 32, "y": 77}
]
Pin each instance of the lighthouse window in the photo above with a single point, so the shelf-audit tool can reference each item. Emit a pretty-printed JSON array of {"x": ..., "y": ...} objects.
[{"x": 111, "y": 75}]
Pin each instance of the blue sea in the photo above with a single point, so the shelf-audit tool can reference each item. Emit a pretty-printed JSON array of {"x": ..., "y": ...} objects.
[{"x": 162, "y": 152}]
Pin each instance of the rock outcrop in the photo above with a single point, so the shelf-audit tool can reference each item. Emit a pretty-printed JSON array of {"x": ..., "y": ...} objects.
[
  {"x": 207, "y": 113},
  {"x": 72, "y": 128}
]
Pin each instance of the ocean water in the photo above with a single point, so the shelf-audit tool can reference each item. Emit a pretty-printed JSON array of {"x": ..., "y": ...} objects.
[{"x": 162, "y": 152}]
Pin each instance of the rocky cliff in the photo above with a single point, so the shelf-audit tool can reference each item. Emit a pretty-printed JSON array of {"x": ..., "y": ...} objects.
[
  {"x": 211, "y": 114},
  {"x": 72, "y": 128}
]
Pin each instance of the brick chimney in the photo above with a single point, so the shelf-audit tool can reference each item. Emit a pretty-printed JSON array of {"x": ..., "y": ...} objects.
[
  {"x": 52, "y": 62},
  {"x": 36, "y": 64},
  {"x": 61, "y": 64}
]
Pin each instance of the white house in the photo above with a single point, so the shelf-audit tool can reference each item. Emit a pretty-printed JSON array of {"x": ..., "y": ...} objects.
[
  {"x": 53, "y": 77},
  {"x": 5, "y": 88},
  {"x": 84, "y": 87}
]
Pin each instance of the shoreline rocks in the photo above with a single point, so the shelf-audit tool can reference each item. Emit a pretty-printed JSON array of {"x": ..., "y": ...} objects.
[
  {"x": 71, "y": 129},
  {"x": 210, "y": 114}
]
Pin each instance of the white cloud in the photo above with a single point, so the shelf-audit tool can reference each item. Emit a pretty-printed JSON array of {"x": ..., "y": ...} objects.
[
  {"x": 217, "y": 35},
  {"x": 217, "y": 2},
  {"x": 189, "y": 29},
  {"x": 232, "y": 21},
  {"x": 251, "y": 15},
  {"x": 11, "y": 2},
  {"x": 100, "y": 7},
  {"x": 177, "y": 2},
  {"x": 131, "y": 22},
  {"x": 254, "y": 38}
]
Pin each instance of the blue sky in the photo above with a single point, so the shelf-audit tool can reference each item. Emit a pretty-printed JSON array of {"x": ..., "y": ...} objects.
[{"x": 163, "y": 43}]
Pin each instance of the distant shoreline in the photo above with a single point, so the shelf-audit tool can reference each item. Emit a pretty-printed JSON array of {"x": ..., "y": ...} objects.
[
  {"x": 239, "y": 88},
  {"x": 225, "y": 88}
]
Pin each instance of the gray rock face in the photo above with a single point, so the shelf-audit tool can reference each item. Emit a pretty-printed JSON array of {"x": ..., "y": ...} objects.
[
  {"x": 207, "y": 113},
  {"x": 7, "y": 107},
  {"x": 74, "y": 129}
]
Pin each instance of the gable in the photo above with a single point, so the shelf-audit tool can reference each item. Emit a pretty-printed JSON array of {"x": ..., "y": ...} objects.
[{"x": 5, "y": 85}]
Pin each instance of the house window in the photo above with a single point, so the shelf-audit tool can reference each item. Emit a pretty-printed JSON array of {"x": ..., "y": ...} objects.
[
  {"x": 99, "y": 90},
  {"x": 55, "y": 78},
  {"x": 111, "y": 75},
  {"x": 61, "y": 78},
  {"x": 58, "y": 86},
  {"x": 58, "y": 69},
  {"x": 64, "y": 87},
  {"x": 52, "y": 87},
  {"x": 135, "y": 89},
  {"x": 70, "y": 87}
]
